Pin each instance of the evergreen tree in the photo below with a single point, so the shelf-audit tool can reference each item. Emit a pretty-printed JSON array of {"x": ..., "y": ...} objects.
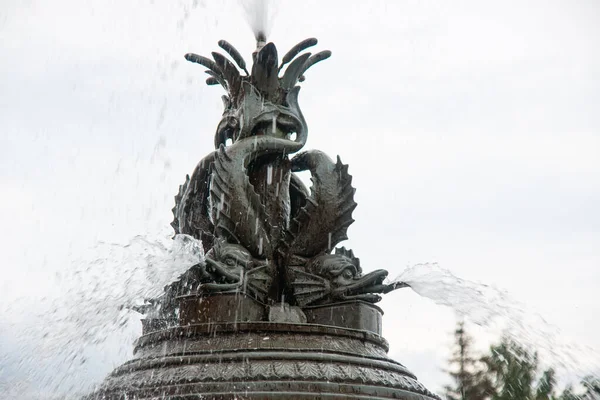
[
  {"x": 513, "y": 369},
  {"x": 546, "y": 384},
  {"x": 592, "y": 388},
  {"x": 514, "y": 372},
  {"x": 470, "y": 379},
  {"x": 508, "y": 372},
  {"x": 568, "y": 394}
]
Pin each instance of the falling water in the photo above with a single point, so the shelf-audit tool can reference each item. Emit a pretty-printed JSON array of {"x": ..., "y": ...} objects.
[
  {"x": 92, "y": 306},
  {"x": 494, "y": 310}
]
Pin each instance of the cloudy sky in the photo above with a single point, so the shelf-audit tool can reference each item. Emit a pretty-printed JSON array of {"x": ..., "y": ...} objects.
[{"x": 472, "y": 130}]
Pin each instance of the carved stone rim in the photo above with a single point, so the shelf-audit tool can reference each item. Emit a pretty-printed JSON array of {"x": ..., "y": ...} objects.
[
  {"x": 261, "y": 355},
  {"x": 198, "y": 295},
  {"x": 343, "y": 303},
  {"x": 212, "y": 329},
  {"x": 236, "y": 293},
  {"x": 294, "y": 390}
]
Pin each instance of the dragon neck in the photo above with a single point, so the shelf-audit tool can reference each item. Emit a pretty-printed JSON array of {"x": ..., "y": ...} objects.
[{"x": 248, "y": 149}]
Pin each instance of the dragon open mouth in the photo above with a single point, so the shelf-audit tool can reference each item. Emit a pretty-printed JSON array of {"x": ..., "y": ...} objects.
[
  {"x": 279, "y": 130},
  {"x": 227, "y": 273},
  {"x": 366, "y": 287},
  {"x": 279, "y": 125}
]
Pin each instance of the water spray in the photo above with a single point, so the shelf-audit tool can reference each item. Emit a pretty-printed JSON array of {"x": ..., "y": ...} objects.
[{"x": 261, "y": 41}]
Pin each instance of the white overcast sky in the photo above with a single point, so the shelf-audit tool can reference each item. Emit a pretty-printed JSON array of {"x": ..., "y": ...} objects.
[{"x": 472, "y": 130}]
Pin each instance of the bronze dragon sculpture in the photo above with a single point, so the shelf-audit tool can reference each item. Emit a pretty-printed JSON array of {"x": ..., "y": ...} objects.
[{"x": 264, "y": 233}]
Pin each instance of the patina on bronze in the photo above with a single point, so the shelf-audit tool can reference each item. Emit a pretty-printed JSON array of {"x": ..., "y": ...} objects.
[{"x": 275, "y": 310}]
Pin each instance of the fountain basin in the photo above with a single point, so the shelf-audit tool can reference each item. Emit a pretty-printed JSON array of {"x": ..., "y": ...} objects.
[{"x": 241, "y": 359}]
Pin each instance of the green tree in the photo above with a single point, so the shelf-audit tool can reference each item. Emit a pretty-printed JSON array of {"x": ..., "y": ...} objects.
[
  {"x": 470, "y": 378},
  {"x": 507, "y": 372},
  {"x": 514, "y": 372},
  {"x": 545, "y": 386},
  {"x": 592, "y": 388},
  {"x": 568, "y": 394}
]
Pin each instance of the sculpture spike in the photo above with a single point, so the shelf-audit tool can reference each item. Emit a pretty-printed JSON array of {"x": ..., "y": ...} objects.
[
  {"x": 206, "y": 62},
  {"x": 303, "y": 45},
  {"x": 293, "y": 72},
  {"x": 232, "y": 51},
  {"x": 229, "y": 71},
  {"x": 320, "y": 56},
  {"x": 217, "y": 78}
]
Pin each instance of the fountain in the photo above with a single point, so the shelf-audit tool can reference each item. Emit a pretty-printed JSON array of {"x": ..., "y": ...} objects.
[{"x": 274, "y": 309}]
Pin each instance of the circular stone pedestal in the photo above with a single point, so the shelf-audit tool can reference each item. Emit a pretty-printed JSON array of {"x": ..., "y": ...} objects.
[{"x": 262, "y": 360}]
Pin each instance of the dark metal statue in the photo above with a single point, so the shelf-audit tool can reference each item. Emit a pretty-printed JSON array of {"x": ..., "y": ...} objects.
[
  {"x": 275, "y": 310},
  {"x": 262, "y": 230}
]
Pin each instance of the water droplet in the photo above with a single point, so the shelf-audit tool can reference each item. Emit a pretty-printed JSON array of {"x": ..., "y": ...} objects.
[{"x": 269, "y": 174}]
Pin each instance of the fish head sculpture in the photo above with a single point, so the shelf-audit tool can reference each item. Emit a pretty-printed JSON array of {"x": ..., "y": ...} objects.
[
  {"x": 346, "y": 280},
  {"x": 227, "y": 262},
  {"x": 233, "y": 268}
]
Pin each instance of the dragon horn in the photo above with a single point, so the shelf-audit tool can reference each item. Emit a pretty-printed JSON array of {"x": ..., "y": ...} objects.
[
  {"x": 303, "y": 45},
  {"x": 232, "y": 51}
]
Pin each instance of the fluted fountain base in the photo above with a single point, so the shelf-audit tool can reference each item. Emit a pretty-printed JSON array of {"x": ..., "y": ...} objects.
[{"x": 263, "y": 360}]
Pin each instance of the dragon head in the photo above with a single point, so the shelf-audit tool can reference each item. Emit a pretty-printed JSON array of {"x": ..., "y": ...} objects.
[
  {"x": 231, "y": 267},
  {"x": 263, "y": 102},
  {"x": 346, "y": 279}
]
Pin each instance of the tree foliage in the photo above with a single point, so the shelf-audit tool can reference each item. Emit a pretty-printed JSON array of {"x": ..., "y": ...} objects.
[
  {"x": 471, "y": 381},
  {"x": 508, "y": 372},
  {"x": 514, "y": 372},
  {"x": 592, "y": 388},
  {"x": 545, "y": 386}
]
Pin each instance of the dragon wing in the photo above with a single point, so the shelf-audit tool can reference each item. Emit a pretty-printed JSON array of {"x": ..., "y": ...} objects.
[
  {"x": 322, "y": 222},
  {"x": 191, "y": 211}
]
